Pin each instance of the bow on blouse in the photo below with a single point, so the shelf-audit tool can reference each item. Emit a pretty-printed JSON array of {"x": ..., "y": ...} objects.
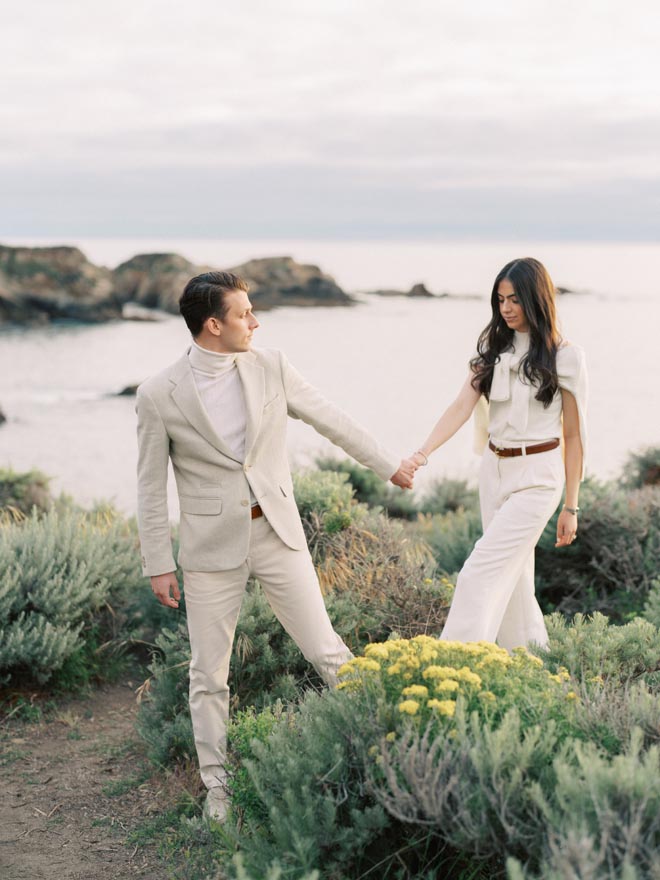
[{"x": 507, "y": 384}]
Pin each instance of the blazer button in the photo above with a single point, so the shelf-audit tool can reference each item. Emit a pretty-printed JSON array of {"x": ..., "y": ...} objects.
[{"x": 245, "y": 503}]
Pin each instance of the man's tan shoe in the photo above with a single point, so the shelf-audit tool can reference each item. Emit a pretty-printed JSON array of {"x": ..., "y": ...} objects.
[{"x": 216, "y": 804}]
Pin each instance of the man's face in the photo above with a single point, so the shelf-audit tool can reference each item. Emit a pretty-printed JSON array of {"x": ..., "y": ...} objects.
[{"x": 238, "y": 324}]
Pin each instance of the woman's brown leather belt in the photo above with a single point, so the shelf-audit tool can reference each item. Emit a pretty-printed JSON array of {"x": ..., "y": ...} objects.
[{"x": 512, "y": 451}]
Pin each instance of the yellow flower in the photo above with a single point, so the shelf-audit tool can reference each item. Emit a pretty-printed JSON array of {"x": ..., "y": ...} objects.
[
  {"x": 366, "y": 664},
  {"x": 373, "y": 751},
  {"x": 571, "y": 695},
  {"x": 487, "y": 697},
  {"x": 447, "y": 685},
  {"x": 377, "y": 650},
  {"x": 555, "y": 678},
  {"x": 394, "y": 669},
  {"x": 345, "y": 668},
  {"x": 415, "y": 690},
  {"x": 409, "y": 707},
  {"x": 468, "y": 677},
  {"x": 563, "y": 673},
  {"x": 352, "y": 684},
  {"x": 444, "y": 707},
  {"x": 434, "y": 672},
  {"x": 390, "y": 737}
]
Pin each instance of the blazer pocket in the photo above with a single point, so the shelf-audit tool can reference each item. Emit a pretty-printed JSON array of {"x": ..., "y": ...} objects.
[{"x": 200, "y": 506}]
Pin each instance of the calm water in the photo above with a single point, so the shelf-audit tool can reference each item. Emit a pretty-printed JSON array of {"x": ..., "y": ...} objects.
[{"x": 392, "y": 363}]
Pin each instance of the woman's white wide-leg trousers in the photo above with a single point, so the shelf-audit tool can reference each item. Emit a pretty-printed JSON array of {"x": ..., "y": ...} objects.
[
  {"x": 494, "y": 598},
  {"x": 213, "y": 602}
]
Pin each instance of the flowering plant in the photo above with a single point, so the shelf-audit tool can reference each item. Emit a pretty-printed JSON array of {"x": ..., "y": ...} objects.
[{"x": 426, "y": 678}]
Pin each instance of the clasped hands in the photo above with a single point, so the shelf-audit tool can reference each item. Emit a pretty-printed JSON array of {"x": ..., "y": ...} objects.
[{"x": 404, "y": 477}]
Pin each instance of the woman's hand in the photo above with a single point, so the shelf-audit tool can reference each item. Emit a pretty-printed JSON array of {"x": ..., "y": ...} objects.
[{"x": 566, "y": 528}]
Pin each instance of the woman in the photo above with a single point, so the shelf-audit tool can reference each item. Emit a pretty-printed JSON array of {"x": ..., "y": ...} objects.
[{"x": 535, "y": 386}]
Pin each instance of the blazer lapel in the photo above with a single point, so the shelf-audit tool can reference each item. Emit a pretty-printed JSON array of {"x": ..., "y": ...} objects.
[
  {"x": 186, "y": 397},
  {"x": 252, "y": 377}
]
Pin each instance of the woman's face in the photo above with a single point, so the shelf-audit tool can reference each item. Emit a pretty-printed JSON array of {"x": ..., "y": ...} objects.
[{"x": 510, "y": 308}]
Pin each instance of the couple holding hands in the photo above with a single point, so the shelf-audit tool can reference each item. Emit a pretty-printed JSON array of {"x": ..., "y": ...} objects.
[{"x": 219, "y": 416}]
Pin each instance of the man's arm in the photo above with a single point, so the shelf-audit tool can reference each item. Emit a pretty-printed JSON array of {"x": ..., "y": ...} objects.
[
  {"x": 153, "y": 518},
  {"x": 307, "y": 403}
]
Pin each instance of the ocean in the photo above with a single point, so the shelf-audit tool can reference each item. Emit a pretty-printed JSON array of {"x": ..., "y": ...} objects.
[{"x": 393, "y": 363}]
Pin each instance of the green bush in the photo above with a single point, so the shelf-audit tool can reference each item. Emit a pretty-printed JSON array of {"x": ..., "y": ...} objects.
[
  {"x": 642, "y": 468},
  {"x": 613, "y": 563},
  {"x": 20, "y": 492},
  {"x": 163, "y": 717},
  {"x": 440, "y": 759},
  {"x": 590, "y": 647},
  {"x": 443, "y": 496},
  {"x": 62, "y": 574},
  {"x": 451, "y": 537},
  {"x": 603, "y": 817}
]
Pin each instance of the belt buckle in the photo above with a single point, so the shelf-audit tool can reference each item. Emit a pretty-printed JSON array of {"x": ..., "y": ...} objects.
[{"x": 499, "y": 451}]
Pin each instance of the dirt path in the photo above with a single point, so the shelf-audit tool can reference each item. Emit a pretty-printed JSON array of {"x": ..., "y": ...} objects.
[{"x": 71, "y": 791}]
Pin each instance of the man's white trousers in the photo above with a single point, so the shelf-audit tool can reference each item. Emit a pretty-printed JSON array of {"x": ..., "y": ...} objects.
[
  {"x": 213, "y": 602},
  {"x": 495, "y": 598}
]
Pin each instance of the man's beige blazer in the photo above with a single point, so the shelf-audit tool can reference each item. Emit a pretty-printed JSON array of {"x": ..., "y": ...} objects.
[{"x": 213, "y": 485}]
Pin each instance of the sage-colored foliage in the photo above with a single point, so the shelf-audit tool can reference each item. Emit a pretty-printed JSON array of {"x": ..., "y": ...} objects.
[
  {"x": 164, "y": 718},
  {"x": 591, "y": 646},
  {"x": 615, "y": 560},
  {"x": 62, "y": 571},
  {"x": 642, "y": 468},
  {"x": 442, "y": 496},
  {"x": 328, "y": 497},
  {"x": 603, "y": 816},
  {"x": 451, "y": 536}
]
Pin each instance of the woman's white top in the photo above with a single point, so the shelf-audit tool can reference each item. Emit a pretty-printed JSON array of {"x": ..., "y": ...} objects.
[{"x": 515, "y": 417}]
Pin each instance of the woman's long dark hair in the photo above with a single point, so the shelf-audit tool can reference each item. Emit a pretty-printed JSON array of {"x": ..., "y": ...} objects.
[{"x": 536, "y": 294}]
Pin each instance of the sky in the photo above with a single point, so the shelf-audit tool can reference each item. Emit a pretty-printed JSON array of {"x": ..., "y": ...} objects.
[{"x": 331, "y": 119}]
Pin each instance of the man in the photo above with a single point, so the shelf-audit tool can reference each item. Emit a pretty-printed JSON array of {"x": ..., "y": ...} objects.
[{"x": 219, "y": 414}]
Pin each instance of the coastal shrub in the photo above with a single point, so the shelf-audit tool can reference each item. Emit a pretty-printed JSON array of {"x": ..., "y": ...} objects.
[
  {"x": 642, "y": 468},
  {"x": 369, "y": 489},
  {"x": 603, "y": 817},
  {"x": 329, "y": 780},
  {"x": 591, "y": 647},
  {"x": 451, "y": 537},
  {"x": 315, "y": 811},
  {"x": 612, "y": 565},
  {"x": 325, "y": 498},
  {"x": 21, "y": 491},
  {"x": 163, "y": 719},
  {"x": 62, "y": 573},
  {"x": 442, "y": 496}
]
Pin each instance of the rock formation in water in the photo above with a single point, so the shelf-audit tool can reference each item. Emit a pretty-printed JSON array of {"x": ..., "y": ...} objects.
[{"x": 42, "y": 284}]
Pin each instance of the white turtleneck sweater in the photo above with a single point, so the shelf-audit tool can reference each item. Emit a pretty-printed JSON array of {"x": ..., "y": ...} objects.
[{"x": 221, "y": 391}]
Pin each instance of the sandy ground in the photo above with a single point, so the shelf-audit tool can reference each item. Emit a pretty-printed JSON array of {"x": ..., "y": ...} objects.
[{"x": 66, "y": 809}]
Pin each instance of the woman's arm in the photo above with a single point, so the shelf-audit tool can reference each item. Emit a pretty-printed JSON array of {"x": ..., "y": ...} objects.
[
  {"x": 567, "y": 522},
  {"x": 456, "y": 415}
]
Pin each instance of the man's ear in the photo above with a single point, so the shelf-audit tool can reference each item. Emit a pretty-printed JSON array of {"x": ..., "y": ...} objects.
[{"x": 213, "y": 325}]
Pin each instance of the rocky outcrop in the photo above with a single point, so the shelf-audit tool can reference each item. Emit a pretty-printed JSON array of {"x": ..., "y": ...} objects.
[
  {"x": 154, "y": 280},
  {"x": 38, "y": 285},
  {"x": 417, "y": 290},
  {"x": 42, "y": 284},
  {"x": 281, "y": 281}
]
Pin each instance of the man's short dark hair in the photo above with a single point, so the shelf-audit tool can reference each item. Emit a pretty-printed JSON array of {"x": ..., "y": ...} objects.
[{"x": 204, "y": 297}]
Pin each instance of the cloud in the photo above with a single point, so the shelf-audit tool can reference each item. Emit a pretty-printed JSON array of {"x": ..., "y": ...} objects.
[{"x": 107, "y": 109}]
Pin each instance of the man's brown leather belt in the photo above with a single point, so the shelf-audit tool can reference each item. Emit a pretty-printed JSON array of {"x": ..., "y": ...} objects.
[
  {"x": 512, "y": 451},
  {"x": 256, "y": 511}
]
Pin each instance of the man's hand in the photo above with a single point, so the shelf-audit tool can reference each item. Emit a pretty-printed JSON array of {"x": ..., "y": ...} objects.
[
  {"x": 161, "y": 584},
  {"x": 403, "y": 478},
  {"x": 566, "y": 529}
]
